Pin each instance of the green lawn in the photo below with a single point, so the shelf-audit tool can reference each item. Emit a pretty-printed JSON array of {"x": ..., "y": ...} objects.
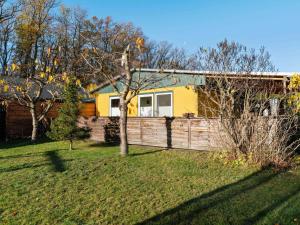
[{"x": 47, "y": 184}]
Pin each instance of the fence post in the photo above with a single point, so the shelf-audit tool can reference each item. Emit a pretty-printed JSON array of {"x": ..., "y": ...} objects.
[
  {"x": 189, "y": 133},
  {"x": 141, "y": 130}
]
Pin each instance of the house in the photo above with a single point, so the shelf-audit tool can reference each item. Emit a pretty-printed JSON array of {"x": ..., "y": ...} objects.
[{"x": 177, "y": 94}]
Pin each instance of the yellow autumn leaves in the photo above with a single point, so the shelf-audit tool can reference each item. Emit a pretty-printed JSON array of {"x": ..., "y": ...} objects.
[
  {"x": 294, "y": 87},
  {"x": 50, "y": 79},
  {"x": 49, "y": 52},
  {"x": 14, "y": 67},
  {"x": 66, "y": 79},
  {"x": 140, "y": 43},
  {"x": 45, "y": 72},
  {"x": 5, "y": 88},
  {"x": 42, "y": 75},
  {"x": 294, "y": 82},
  {"x": 4, "y": 85},
  {"x": 78, "y": 82},
  {"x": 18, "y": 88},
  {"x": 48, "y": 69}
]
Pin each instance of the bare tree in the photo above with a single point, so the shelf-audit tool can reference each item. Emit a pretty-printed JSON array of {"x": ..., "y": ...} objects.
[
  {"x": 8, "y": 12},
  {"x": 110, "y": 38},
  {"x": 6, "y": 44},
  {"x": 112, "y": 44},
  {"x": 164, "y": 56},
  {"x": 70, "y": 28},
  {"x": 247, "y": 102},
  {"x": 129, "y": 81}
]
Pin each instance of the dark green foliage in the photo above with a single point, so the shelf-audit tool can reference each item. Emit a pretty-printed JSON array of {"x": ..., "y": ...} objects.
[{"x": 65, "y": 126}]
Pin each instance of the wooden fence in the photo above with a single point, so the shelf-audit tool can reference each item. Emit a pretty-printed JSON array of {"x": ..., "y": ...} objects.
[{"x": 195, "y": 133}]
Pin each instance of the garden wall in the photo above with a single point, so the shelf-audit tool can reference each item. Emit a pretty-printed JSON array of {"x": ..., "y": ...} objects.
[{"x": 194, "y": 133}]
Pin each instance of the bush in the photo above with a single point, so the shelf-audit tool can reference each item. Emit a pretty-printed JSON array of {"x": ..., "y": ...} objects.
[{"x": 65, "y": 126}]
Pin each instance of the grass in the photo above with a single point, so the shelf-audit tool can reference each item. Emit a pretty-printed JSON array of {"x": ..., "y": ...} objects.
[{"x": 47, "y": 184}]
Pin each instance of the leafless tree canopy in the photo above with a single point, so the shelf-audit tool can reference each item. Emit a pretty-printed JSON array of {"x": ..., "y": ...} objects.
[
  {"x": 249, "y": 106},
  {"x": 164, "y": 56},
  {"x": 233, "y": 57},
  {"x": 8, "y": 12}
]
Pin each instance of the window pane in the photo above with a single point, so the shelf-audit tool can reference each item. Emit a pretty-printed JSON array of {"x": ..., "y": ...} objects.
[
  {"x": 145, "y": 107},
  {"x": 114, "y": 107},
  {"x": 146, "y": 101},
  {"x": 115, "y": 103},
  {"x": 164, "y": 100},
  {"x": 164, "y": 105}
]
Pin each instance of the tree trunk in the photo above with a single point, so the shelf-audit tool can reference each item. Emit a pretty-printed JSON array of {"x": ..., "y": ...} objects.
[
  {"x": 123, "y": 129},
  {"x": 34, "y": 124}
]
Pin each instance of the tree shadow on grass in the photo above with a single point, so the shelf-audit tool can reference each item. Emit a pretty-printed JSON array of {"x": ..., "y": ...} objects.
[
  {"x": 104, "y": 144},
  {"x": 22, "y": 142},
  {"x": 56, "y": 168},
  {"x": 247, "y": 201},
  {"x": 28, "y": 155},
  {"x": 23, "y": 166},
  {"x": 56, "y": 161},
  {"x": 145, "y": 153}
]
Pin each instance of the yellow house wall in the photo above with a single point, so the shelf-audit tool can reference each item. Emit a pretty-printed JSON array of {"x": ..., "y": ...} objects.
[{"x": 185, "y": 100}]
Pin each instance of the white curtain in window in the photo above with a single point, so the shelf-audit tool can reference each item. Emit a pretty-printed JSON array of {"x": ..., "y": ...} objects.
[
  {"x": 164, "y": 105},
  {"x": 114, "y": 106},
  {"x": 145, "y": 106}
]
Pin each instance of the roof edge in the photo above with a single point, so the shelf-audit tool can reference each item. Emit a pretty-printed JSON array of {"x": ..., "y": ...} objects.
[
  {"x": 198, "y": 72},
  {"x": 207, "y": 72},
  {"x": 104, "y": 84}
]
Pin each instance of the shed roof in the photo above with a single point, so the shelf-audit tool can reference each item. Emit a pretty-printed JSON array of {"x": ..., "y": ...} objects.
[
  {"x": 46, "y": 91},
  {"x": 53, "y": 88}
]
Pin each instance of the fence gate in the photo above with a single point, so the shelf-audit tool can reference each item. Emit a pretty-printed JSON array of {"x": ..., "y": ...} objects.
[{"x": 2, "y": 123}]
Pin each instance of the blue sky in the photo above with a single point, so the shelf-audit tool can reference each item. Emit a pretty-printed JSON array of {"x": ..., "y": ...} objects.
[{"x": 193, "y": 23}]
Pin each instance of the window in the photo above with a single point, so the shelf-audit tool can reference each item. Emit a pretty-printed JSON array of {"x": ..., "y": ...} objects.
[
  {"x": 114, "y": 106},
  {"x": 145, "y": 105},
  {"x": 160, "y": 104},
  {"x": 164, "y": 105}
]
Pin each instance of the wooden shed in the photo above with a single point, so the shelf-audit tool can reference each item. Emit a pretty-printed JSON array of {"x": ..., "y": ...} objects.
[
  {"x": 88, "y": 108},
  {"x": 16, "y": 122}
]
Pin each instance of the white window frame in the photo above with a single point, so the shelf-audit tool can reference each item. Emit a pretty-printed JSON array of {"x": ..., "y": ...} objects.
[
  {"x": 112, "y": 98},
  {"x": 139, "y": 103},
  {"x": 156, "y": 102}
]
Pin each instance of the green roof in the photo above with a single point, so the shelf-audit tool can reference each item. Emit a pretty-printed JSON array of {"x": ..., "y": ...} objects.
[{"x": 162, "y": 79}]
